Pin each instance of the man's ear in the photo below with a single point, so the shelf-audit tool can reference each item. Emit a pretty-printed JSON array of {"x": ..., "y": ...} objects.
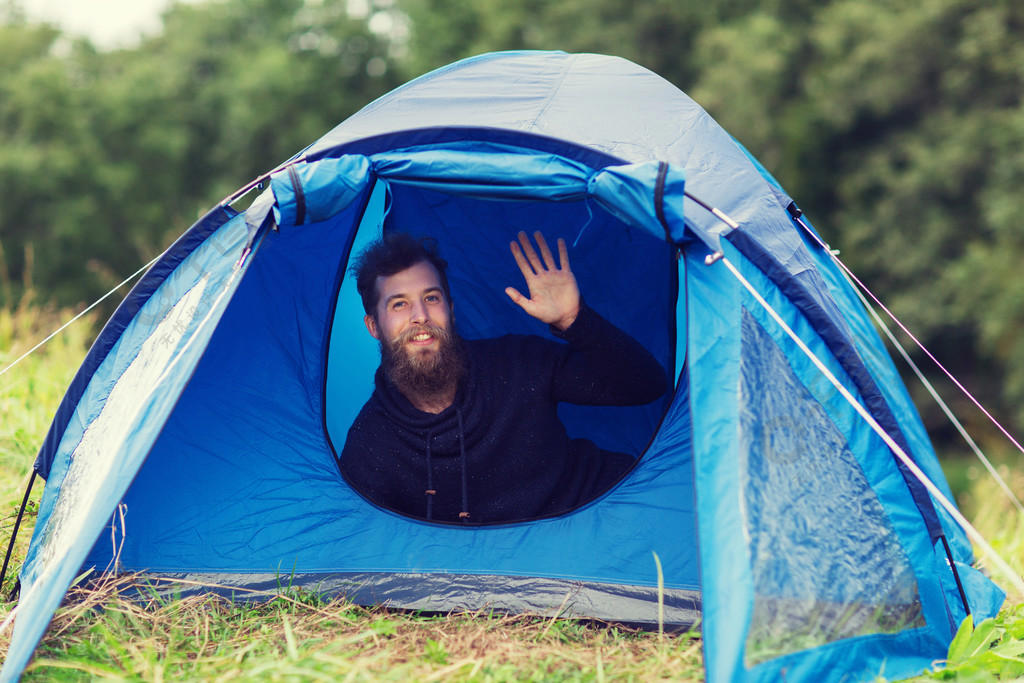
[{"x": 371, "y": 326}]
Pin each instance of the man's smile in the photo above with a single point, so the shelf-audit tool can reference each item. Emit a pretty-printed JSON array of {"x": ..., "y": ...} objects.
[{"x": 422, "y": 338}]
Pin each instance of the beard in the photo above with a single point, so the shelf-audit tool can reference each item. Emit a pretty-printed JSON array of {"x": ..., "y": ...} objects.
[{"x": 424, "y": 373}]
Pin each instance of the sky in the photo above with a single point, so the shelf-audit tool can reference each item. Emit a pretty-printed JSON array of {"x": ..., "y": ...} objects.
[{"x": 109, "y": 23}]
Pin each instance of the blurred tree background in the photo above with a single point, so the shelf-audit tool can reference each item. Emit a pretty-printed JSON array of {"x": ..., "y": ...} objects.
[{"x": 897, "y": 126}]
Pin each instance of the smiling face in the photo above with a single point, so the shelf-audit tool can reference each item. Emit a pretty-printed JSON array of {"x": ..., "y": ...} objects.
[
  {"x": 412, "y": 311},
  {"x": 420, "y": 351}
]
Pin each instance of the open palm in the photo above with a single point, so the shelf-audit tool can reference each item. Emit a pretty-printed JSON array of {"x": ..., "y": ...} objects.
[{"x": 554, "y": 295}]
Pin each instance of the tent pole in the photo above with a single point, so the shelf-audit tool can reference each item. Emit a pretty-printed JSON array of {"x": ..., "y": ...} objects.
[
  {"x": 17, "y": 524},
  {"x": 956, "y": 574}
]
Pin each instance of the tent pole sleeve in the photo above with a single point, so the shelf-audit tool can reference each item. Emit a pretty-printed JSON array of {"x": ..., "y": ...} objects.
[{"x": 17, "y": 524}]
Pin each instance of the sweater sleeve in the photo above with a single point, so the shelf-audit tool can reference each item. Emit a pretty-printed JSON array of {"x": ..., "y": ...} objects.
[{"x": 603, "y": 365}]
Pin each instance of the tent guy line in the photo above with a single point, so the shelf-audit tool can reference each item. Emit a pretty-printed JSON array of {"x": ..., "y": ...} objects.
[
  {"x": 938, "y": 399},
  {"x": 38, "y": 585},
  {"x": 860, "y": 289},
  {"x": 861, "y": 286},
  {"x": 975, "y": 535},
  {"x": 86, "y": 310}
]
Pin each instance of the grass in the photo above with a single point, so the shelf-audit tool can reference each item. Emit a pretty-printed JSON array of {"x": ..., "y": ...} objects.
[{"x": 298, "y": 636}]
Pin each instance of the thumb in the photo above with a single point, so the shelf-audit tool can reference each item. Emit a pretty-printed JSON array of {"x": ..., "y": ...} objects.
[{"x": 516, "y": 296}]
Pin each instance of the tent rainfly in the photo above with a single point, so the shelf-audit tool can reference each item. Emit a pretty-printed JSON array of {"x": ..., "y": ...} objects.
[{"x": 199, "y": 439}]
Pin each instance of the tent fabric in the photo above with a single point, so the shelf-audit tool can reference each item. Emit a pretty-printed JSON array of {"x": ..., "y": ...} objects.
[
  {"x": 778, "y": 516},
  {"x": 115, "y": 423}
]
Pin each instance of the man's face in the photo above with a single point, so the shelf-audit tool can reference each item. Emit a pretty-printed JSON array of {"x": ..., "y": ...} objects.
[{"x": 412, "y": 311}]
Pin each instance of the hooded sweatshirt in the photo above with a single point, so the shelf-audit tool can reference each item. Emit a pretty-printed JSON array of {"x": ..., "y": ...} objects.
[{"x": 499, "y": 453}]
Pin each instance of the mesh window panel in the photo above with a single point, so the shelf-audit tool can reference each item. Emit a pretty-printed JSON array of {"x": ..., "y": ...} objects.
[{"x": 825, "y": 560}]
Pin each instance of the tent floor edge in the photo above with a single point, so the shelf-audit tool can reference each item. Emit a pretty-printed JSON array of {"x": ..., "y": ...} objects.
[{"x": 630, "y": 605}]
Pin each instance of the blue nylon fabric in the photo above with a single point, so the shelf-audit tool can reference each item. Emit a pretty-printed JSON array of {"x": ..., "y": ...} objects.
[
  {"x": 809, "y": 301},
  {"x": 714, "y": 346},
  {"x": 328, "y": 186},
  {"x": 112, "y": 331},
  {"x": 630, "y": 192},
  {"x": 485, "y": 170},
  {"x": 281, "y": 505},
  {"x": 118, "y": 418},
  {"x": 349, "y": 345},
  {"x": 872, "y": 350},
  {"x": 495, "y": 171},
  {"x": 984, "y": 597},
  {"x": 589, "y": 101}
]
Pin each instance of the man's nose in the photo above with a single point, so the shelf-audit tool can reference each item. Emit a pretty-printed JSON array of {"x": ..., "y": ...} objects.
[{"x": 419, "y": 312}]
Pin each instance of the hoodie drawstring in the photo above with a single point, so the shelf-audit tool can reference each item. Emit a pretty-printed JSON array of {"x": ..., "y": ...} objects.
[
  {"x": 431, "y": 491},
  {"x": 430, "y": 479},
  {"x": 464, "y": 515}
]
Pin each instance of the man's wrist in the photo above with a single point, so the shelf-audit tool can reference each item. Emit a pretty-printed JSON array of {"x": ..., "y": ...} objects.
[{"x": 566, "y": 322}]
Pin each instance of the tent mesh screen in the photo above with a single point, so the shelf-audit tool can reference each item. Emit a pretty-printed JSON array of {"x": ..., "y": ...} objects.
[{"x": 825, "y": 561}]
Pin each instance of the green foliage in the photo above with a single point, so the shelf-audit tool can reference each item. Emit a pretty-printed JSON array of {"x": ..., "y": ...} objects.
[
  {"x": 893, "y": 126},
  {"x": 106, "y": 157},
  {"x": 994, "y": 650}
]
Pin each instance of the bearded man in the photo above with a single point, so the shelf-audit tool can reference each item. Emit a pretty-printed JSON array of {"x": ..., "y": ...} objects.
[{"x": 467, "y": 430}]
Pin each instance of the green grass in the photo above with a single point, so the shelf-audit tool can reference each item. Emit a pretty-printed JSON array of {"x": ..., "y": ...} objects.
[
  {"x": 298, "y": 636},
  {"x": 301, "y": 637}
]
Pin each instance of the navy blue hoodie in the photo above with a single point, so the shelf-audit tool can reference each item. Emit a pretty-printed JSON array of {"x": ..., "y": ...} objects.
[{"x": 499, "y": 452}]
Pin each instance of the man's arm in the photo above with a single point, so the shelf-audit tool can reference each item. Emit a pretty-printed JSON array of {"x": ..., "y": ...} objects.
[{"x": 603, "y": 365}]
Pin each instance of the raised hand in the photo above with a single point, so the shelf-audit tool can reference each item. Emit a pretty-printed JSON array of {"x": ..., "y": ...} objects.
[{"x": 554, "y": 295}]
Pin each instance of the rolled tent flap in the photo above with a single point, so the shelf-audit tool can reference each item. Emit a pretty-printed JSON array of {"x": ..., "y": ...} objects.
[
  {"x": 648, "y": 194},
  {"x": 487, "y": 171},
  {"x": 312, "y": 192}
]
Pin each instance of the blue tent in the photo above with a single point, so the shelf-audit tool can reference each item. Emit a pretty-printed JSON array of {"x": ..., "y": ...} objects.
[{"x": 198, "y": 441}]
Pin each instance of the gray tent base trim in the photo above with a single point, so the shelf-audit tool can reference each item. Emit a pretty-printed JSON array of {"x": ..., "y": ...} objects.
[{"x": 441, "y": 593}]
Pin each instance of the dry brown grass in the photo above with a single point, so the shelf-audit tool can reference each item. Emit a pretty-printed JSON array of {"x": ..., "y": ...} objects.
[{"x": 101, "y": 633}]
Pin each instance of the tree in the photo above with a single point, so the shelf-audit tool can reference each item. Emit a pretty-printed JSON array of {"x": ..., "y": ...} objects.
[{"x": 106, "y": 157}]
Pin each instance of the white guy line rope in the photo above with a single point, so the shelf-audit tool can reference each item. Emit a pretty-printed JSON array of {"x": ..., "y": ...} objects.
[
  {"x": 973, "y": 533},
  {"x": 849, "y": 274},
  {"x": 87, "y": 309},
  {"x": 54, "y": 567},
  {"x": 935, "y": 396}
]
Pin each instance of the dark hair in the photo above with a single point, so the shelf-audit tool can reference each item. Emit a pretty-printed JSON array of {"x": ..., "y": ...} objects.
[{"x": 393, "y": 253}]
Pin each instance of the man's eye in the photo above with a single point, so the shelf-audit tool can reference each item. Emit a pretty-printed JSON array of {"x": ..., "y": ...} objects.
[
  {"x": 433, "y": 299},
  {"x": 398, "y": 304}
]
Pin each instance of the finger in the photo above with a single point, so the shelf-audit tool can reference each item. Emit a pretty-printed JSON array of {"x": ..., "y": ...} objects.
[
  {"x": 563, "y": 255},
  {"x": 530, "y": 253},
  {"x": 516, "y": 296},
  {"x": 521, "y": 261},
  {"x": 545, "y": 252}
]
